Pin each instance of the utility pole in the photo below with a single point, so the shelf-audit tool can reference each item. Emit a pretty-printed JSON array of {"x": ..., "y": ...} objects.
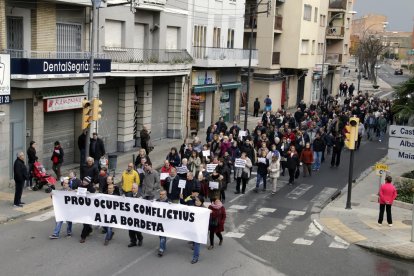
[
  {"x": 253, "y": 12},
  {"x": 91, "y": 94}
]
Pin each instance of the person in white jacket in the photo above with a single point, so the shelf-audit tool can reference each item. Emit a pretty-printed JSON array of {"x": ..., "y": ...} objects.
[{"x": 274, "y": 171}]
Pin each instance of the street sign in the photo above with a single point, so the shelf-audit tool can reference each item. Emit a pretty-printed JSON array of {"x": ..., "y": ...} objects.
[
  {"x": 401, "y": 155},
  {"x": 95, "y": 88},
  {"x": 401, "y": 143},
  {"x": 401, "y": 131},
  {"x": 381, "y": 168}
]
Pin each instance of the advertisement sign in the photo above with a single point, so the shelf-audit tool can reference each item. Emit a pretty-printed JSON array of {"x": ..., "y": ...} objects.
[
  {"x": 5, "y": 79},
  {"x": 59, "y": 104},
  {"x": 204, "y": 77}
]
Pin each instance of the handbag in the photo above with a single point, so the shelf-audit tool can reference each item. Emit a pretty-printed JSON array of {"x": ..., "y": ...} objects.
[
  {"x": 213, "y": 222},
  {"x": 297, "y": 173}
]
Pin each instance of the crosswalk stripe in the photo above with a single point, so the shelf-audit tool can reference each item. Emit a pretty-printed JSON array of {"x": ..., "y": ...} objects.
[
  {"x": 268, "y": 238},
  {"x": 339, "y": 243},
  {"x": 302, "y": 241},
  {"x": 234, "y": 235},
  {"x": 299, "y": 191},
  {"x": 42, "y": 217},
  {"x": 275, "y": 233},
  {"x": 313, "y": 231},
  {"x": 296, "y": 213},
  {"x": 238, "y": 207},
  {"x": 267, "y": 210}
]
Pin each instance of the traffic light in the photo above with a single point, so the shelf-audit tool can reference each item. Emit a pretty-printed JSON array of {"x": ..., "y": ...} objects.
[
  {"x": 86, "y": 114},
  {"x": 96, "y": 109},
  {"x": 351, "y": 132}
]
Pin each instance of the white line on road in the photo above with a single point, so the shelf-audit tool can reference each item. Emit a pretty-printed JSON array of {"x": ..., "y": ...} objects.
[
  {"x": 238, "y": 207},
  {"x": 313, "y": 231},
  {"x": 268, "y": 238},
  {"x": 274, "y": 234},
  {"x": 302, "y": 241},
  {"x": 299, "y": 191},
  {"x": 234, "y": 235},
  {"x": 43, "y": 217},
  {"x": 339, "y": 243},
  {"x": 296, "y": 213},
  {"x": 267, "y": 210}
]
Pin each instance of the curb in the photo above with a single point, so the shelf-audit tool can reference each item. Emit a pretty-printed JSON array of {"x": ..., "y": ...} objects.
[
  {"x": 8, "y": 219},
  {"x": 385, "y": 252}
]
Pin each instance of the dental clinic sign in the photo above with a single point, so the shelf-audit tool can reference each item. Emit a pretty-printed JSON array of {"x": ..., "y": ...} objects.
[
  {"x": 29, "y": 68},
  {"x": 5, "y": 79}
]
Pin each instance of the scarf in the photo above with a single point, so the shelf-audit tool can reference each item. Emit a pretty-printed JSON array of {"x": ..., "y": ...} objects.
[{"x": 216, "y": 206}]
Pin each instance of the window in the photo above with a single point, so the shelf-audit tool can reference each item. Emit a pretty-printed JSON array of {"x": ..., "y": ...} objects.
[
  {"x": 307, "y": 14},
  {"x": 305, "y": 46},
  {"x": 68, "y": 37},
  {"x": 113, "y": 33},
  {"x": 316, "y": 14},
  {"x": 172, "y": 38},
  {"x": 139, "y": 36},
  {"x": 346, "y": 50},
  {"x": 199, "y": 41},
  {"x": 320, "y": 48},
  {"x": 230, "y": 38},
  {"x": 322, "y": 19},
  {"x": 313, "y": 47},
  {"x": 15, "y": 33},
  {"x": 216, "y": 37}
]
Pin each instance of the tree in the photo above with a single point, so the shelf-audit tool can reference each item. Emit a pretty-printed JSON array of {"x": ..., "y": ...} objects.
[{"x": 403, "y": 104}]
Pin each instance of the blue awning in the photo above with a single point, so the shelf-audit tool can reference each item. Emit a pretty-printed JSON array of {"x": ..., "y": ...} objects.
[
  {"x": 231, "y": 85},
  {"x": 205, "y": 88}
]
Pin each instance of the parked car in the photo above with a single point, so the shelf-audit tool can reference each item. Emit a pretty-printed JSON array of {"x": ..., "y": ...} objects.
[
  {"x": 377, "y": 66},
  {"x": 398, "y": 71}
]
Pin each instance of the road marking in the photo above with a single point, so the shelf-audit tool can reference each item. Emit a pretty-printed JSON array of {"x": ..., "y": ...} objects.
[
  {"x": 43, "y": 217},
  {"x": 302, "y": 241},
  {"x": 267, "y": 210},
  {"x": 313, "y": 231},
  {"x": 274, "y": 234},
  {"x": 296, "y": 213},
  {"x": 339, "y": 243},
  {"x": 321, "y": 198},
  {"x": 234, "y": 235},
  {"x": 268, "y": 238},
  {"x": 238, "y": 207},
  {"x": 299, "y": 191}
]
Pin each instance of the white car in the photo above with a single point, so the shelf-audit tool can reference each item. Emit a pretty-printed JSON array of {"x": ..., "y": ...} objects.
[{"x": 377, "y": 66}]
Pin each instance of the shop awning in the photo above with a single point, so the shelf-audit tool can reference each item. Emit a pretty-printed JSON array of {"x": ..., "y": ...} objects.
[
  {"x": 231, "y": 85},
  {"x": 204, "y": 88},
  {"x": 59, "y": 93}
]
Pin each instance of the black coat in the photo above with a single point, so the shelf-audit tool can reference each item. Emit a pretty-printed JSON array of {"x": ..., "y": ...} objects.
[
  {"x": 172, "y": 183},
  {"x": 20, "y": 171},
  {"x": 292, "y": 162},
  {"x": 31, "y": 155},
  {"x": 82, "y": 142},
  {"x": 262, "y": 167},
  {"x": 96, "y": 149},
  {"x": 92, "y": 172},
  {"x": 190, "y": 186},
  {"x": 318, "y": 145}
]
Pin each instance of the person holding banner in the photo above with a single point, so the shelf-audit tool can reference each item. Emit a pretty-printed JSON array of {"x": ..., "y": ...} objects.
[
  {"x": 242, "y": 173},
  {"x": 58, "y": 226},
  {"x": 87, "y": 228},
  {"x": 135, "y": 235},
  {"x": 163, "y": 240},
  {"x": 217, "y": 220},
  {"x": 109, "y": 232},
  {"x": 129, "y": 176}
]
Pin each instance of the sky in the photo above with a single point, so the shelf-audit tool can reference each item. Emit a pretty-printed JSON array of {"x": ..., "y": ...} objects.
[{"x": 400, "y": 13}]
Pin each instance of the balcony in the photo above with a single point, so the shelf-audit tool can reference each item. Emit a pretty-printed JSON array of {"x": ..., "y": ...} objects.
[
  {"x": 156, "y": 5},
  {"x": 223, "y": 57},
  {"x": 249, "y": 21},
  {"x": 276, "y": 58},
  {"x": 27, "y": 65},
  {"x": 337, "y": 4},
  {"x": 335, "y": 32},
  {"x": 147, "y": 62},
  {"x": 278, "y": 23},
  {"x": 334, "y": 59}
]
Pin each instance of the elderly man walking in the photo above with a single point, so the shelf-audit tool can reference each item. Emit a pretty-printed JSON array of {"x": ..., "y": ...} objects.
[{"x": 20, "y": 177}]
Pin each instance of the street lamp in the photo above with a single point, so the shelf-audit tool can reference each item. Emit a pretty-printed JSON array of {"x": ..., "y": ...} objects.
[{"x": 324, "y": 45}]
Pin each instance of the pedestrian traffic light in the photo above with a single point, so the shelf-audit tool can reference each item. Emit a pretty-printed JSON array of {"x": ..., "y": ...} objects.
[
  {"x": 96, "y": 109},
  {"x": 86, "y": 114},
  {"x": 351, "y": 132}
]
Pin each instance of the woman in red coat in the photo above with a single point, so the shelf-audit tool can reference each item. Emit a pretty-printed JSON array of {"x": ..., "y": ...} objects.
[
  {"x": 217, "y": 219},
  {"x": 387, "y": 194},
  {"x": 306, "y": 157}
]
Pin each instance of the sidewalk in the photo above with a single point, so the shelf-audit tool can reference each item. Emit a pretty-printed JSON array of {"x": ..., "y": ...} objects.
[
  {"x": 39, "y": 200},
  {"x": 359, "y": 225}
]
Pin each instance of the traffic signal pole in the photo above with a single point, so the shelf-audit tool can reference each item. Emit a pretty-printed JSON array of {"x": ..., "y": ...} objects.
[
  {"x": 350, "y": 173},
  {"x": 352, "y": 137}
]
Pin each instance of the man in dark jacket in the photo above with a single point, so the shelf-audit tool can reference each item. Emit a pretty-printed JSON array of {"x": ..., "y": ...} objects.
[
  {"x": 318, "y": 147},
  {"x": 20, "y": 176},
  {"x": 57, "y": 159},
  {"x": 31, "y": 158},
  {"x": 96, "y": 148},
  {"x": 336, "y": 150},
  {"x": 171, "y": 186},
  {"x": 91, "y": 170},
  {"x": 221, "y": 125},
  {"x": 82, "y": 146},
  {"x": 135, "y": 235},
  {"x": 191, "y": 185},
  {"x": 256, "y": 107},
  {"x": 87, "y": 228}
]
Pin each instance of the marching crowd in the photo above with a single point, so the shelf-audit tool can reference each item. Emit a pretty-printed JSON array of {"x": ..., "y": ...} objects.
[{"x": 280, "y": 142}]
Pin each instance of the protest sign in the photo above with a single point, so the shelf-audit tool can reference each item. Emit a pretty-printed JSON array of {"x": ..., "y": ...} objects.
[
  {"x": 206, "y": 153},
  {"x": 213, "y": 185},
  {"x": 210, "y": 167},
  {"x": 239, "y": 163},
  {"x": 163, "y": 176},
  {"x": 181, "y": 183},
  {"x": 182, "y": 170}
]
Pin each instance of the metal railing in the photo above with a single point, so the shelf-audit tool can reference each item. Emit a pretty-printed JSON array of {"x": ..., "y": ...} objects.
[
  {"x": 151, "y": 2},
  {"x": 51, "y": 55},
  {"x": 335, "y": 31},
  {"x": 212, "y": 53},
  {"x": 337, "y": 4},
  {"x": 249, "y": 20},
  {"x": 278, "y": 22},
  {"x": 148, "y": 56},
  {"x": 333, "y": 58},
  {"x": 276, "y": 58}
]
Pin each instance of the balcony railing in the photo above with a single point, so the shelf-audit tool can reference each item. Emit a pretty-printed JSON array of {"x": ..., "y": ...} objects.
[
  {"x": 249, "y": 20},
  {"x": 276, "y": 58},
  {"x": 51, "y": 55},
  {"x": 147, "y": 56},
  {"x": 278, "y": 22},
  {"x": 337, "y": 4},
  {"x": 335, "y": 31},
  {"x": 211, "y": 53},
  {"x": 333, "y": 58}
]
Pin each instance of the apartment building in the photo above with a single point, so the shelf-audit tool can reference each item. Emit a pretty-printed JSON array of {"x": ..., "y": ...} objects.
[
  {"x": 141, "y": 71},
  {"x": 216, "y": 29},
  {"x": 292, "y": 41}
]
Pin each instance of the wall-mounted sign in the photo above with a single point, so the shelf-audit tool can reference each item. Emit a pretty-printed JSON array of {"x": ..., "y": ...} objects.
[
  {"x": 204, "y": 77},
  {"x": 29, "y": 68},
  {"x": 5, "y": 79},
  {"x": 59, "y": 104}
]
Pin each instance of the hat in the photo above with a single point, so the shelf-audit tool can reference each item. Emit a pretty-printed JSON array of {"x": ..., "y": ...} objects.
[{"x": 87, "y": 179}]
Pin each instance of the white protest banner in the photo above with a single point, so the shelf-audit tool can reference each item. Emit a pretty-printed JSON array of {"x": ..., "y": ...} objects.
[
  {"x": 181, "y": 184},
  {"x": 163, "y": 176},
  {"x": 242, "y": 133},
  {"x": 182, "y": 170},
  {"x": 239, "y": 163},
  {"x": 206, "y": 153},
  {"x": 213, "y": 185},
  {"x": 261, "y": 160},
  {"x": 157, "y": 218},
  {"x": 210, "y": 167},
  {"x": 81, "y": 191}
]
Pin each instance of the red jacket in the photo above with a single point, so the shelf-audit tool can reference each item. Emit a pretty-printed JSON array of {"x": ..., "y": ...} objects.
[
  {"x": 387, "y": 193},
  {"x": 306, "y": 156},
  {"x": 165, "y": 170}
]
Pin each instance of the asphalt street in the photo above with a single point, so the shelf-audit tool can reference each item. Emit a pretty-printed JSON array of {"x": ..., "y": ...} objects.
[{"x": 386, "y": 73}]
